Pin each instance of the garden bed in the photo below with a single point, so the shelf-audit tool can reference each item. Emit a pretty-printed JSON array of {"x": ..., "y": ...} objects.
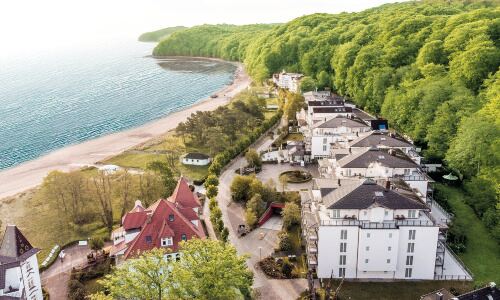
[{"x": 296, "y": 176}]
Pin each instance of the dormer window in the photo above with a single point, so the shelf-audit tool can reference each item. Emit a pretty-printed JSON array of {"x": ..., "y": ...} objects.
[
  {"x": 184, "y": 237},
  {"x": 168, "y": 241},
  {"x": 149, "y": 239},
  {"x": 171, "y": 217},
  {"x": 412, "y": 214},
  {"x": 336, "y": 214}
]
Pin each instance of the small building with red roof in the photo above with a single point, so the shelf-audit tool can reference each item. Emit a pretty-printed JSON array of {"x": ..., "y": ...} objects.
[{"x": 164, "y": 224}]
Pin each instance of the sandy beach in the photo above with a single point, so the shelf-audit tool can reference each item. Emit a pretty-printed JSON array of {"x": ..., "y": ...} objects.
[{"x": 30, "y": 174}]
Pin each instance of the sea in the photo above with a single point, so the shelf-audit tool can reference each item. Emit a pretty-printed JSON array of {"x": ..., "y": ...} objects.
[{"x": 50, "y": 101}]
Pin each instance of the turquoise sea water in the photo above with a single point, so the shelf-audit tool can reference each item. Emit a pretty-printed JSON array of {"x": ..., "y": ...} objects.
[{"x": 48, "y": 102}]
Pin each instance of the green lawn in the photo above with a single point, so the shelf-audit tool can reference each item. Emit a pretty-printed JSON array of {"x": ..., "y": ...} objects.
[
  {"x": 482, "y": 256},
  {"x": 396, "y": 290}
]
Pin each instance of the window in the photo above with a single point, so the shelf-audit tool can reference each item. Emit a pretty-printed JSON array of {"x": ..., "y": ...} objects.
[
  {"x": 388, "y": 260},
  {"x": 365, "y": 213},
  {"x": 324, "y": 148},
  {"x": 366, "y": 261},
  {"x": 407, "y": 171},
  {"x": 343, "y": 247},
  {"x": 343, "y": 234},
  {"x": 168, "y": 241},
  {"x": 389, "y": 248},
  {"x": 367, "y": 248},
  {"x": 368, "y": 235},
  {"x": 171, "y": 217},
  {"x": 408, "y": 272},
  {"x": 390, "y": 235},
  {"x": 412, "y": 213},
  {"x": 324, "y": 140},
  {"x": 342, "y": 260},
  {"x": 149, "y": 240},
  {"x": 409, "y": 260},
  {"x": 411, "y": 248},
  {"x": 386, "y": 213},
  {"x": 336, "y": 213},
  {"x": 411, "y": 234},
  {"x": 341, "y": 272},
  {"x": 184, "y": 237}
]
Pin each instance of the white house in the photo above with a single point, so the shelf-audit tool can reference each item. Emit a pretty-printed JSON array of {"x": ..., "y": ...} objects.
[
  {"x": 323, "y": 135},
  {"x": 289, "y": 81},
  {"x": 362, "y": 230},
  {"x": 196, "y": 159},
  {"x": 19, "y": 274}
]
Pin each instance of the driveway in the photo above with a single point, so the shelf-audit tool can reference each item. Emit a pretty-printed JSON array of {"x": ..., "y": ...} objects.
[
  {"x": 257, "y": 244},
  {"x": 55, "y": 279}
]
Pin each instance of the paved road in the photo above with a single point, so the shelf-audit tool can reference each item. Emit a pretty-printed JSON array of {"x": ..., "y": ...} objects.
[
  {"x": 55, "y": 279},
  {"x": 257, "y": 244}
]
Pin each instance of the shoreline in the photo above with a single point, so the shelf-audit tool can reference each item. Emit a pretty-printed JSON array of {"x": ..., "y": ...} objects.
[{"x": 30, "y": 174}]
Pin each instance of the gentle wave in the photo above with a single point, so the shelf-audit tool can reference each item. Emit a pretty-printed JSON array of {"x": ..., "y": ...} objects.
[{"x": 46, "y": 104}]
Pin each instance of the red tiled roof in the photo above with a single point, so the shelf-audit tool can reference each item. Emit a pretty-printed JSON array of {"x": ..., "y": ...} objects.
[
  {"x": 160, "y": 226},
  {"x": 184, "y": 196},
  {"x": 133, "y": 220}
]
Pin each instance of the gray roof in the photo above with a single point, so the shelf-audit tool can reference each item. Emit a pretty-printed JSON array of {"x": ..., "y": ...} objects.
[
  {"x": 363, "y": 194},
  {"x": 392, "y": 158},
  {"x": 331, "y": 109},
  {"x": 14, "y": 244},
  {"x": 341, "y": 121},
  {"x": 195, "y": 155},
  {"x": 362, "y": 115},
  {"x": 381, "y": 139},
  {"x": 486, "y": 293}
]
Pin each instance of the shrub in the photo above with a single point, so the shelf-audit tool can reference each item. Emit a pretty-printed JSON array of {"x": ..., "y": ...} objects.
[
  {"x": 287, "y": 269},
  {"x": 211, "y": 180},
  {"x": 96, "y": 243},
  {"x": 285, "y": 244},
  {"x": 212, "y": 204}
]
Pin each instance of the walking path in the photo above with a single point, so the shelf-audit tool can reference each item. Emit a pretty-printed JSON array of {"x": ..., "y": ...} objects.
[
  {"x": 55, "y": 278},
  {"x": 257, "y": 244}
]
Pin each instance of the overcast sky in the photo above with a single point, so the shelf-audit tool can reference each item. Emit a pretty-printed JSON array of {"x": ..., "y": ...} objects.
[{"x": 59, "y": 24}]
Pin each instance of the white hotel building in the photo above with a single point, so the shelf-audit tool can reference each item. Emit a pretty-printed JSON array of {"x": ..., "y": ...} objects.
[{"x": 363, "y": 230}]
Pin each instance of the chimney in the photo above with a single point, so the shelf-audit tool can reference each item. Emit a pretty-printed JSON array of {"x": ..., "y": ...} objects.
[
  {"x": 439, "y": 296},
  {"x": 338, "y": 182},
  {"x": 387, "y": 185}
]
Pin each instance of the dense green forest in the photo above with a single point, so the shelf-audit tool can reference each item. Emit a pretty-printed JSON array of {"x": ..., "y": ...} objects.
[
  {"x": 429, "y": 67},
  {"x": 158, "y": 35}
]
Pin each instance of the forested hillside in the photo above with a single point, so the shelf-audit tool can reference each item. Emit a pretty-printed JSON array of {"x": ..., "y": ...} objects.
[
  {"x": 430, "y": 68},
  {"x": 158, "y": 35}
]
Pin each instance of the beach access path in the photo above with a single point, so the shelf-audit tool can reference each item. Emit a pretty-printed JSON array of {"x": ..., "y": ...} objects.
[{"x": 30, "y": 174}]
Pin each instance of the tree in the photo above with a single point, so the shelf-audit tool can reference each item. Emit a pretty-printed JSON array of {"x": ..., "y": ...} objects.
[
  {"x": 240, "y": 188},
  {"x": 253, "y": 158},
  {"x": 284, "y": 182},
  {"x": 162, "y": 168},
  {"x": 256, "y": 204},
  {"x": 96, "y": 243},
  {"x": 211, "y": 191},
  {"x": 210, "y": 269},
  {"x": 307, "y": 84},
  {"x": 211, "y": 180},
  {"x": 251, "y": 218},
  {"x": 103, "y": 192},
  {"x": 224, "y": 234},
  {"x": 291, "y": 214},
  {"x": 285, "y": 244},
  {"x": 323, "y": 80},
  {"x": 145, "y": 277},
  {"x": 124, "y": 188}
]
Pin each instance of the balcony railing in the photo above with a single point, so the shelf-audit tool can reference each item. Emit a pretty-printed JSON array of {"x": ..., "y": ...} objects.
[{"x": 377, "y": 225}]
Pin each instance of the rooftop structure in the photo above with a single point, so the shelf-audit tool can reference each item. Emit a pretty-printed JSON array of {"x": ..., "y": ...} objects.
[
  {"x": 19, "y": 274},
  {"x": 163, "y": 224}
]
